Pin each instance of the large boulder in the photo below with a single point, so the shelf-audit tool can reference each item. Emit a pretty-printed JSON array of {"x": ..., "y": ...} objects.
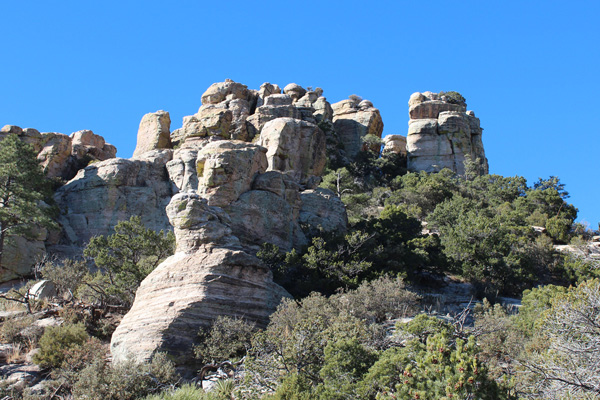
[
  {"x": 322, "y": 211},
  {"x": 295, "y": 147},
  {"x": 261, "y": 216},
  {"x": 353, "y": 120},
  {"x": 442, "y": 134},
  {"x": 208, "y": 276},
  {"x": 153, "y": 133},
  {"x": 20, "y": 255}
]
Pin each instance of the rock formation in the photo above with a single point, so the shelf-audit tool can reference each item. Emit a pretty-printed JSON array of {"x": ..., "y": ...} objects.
[
  {"x": 242, "y": 171},
  {"x": 61, "y": 155},
  {"x": 441, "y": 133},
  {"x": 353, "y": 120},
  {"x": 154, "y": 133},
  {"x": 210, "y": 275},
  {"x": 226, "y": 197},
  {"x": 394, "y": 144}
]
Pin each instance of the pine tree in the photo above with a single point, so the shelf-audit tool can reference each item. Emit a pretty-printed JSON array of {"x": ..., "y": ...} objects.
[{"x": 23, "y": 187}]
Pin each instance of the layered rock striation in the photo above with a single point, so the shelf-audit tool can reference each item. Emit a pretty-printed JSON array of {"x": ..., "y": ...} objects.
[{"x": 442, "y": 134}]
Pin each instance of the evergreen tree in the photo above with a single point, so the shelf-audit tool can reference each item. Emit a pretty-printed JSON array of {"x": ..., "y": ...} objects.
[{"x": 23, "y": 187}]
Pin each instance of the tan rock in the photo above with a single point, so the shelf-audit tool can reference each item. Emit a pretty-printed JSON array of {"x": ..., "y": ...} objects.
[
  {"x": 20, "y": 256},
  {"x": 187, "y": 291},
  {"x": 322, "y": 211},
  {"x": 220, "y": 91},
  {"x": 394, "y": 144},
  {"x": 107, "y": 192},
  {"x": 432, "y": 109},
  {"x": 266, "y": 89},
  {"x": 55, "y": 153},
  {"x": 260, "y": 216},
  {"x": 294, "y": 90},
  {"x": 352, "y": 122},
  {"x": 296, "y": 148},
  {"x": 153, "y": 133},
  {"x": 226, "y": 169}
]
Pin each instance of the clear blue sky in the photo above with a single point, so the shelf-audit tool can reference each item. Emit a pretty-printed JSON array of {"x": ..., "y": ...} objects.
[{"x": 529, "y": 69}]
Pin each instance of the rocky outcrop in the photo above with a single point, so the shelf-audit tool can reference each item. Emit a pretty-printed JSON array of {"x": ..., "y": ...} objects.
[
  {"x": 353, "y": 120},
  {"x": 296, "y": 148},
  {"x": 209, "y": 276},
  {"x": 154, "y": 133},
  {"x": 107, "y": 192},
  {"x": 226, "y": 169},
  {"x": 442, "y": 134},
  {"x": 394, "y": 144},
  {"x": 60, "y": 155}
]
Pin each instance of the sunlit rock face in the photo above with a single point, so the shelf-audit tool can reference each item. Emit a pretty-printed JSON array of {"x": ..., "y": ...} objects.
[{"x": 442, "y": 134}]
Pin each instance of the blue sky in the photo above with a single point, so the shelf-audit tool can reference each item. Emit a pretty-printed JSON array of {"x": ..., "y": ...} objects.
[{"x": 529, "y": 70}]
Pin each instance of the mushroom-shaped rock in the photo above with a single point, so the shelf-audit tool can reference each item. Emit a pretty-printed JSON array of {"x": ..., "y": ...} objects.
[
  {"x": 296, "y": 148},
  {"x": 153, "y": 133}
]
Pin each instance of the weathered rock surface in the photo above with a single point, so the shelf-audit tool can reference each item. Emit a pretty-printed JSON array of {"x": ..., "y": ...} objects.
[
  {"x": 20, "y": 255},
  {"x": 226, "y": 169},
  {"x": 107, "y": 192},
  {"x": 209, "y": 276},
  {"x": 353, "y": 121},
  {"x": 296, "y": 148},
  {"x": 322, "y": 210},
  {"x": 394, "y": 144},
  {"x": 154, "y": 133},
  {"x": 61, "y": 155},
  {"x": 442, "y": 134}
]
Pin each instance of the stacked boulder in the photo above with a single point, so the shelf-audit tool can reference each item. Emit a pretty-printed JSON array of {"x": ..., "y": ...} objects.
[
  {"x": 241, "y": 172},
  {"x": 442, "y": 133}
]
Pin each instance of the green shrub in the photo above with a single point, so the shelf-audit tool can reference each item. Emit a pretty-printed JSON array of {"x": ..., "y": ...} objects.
[
  {"x": 66, "y": 276},
  {"x": 13, "y": 329},
  {"x": 227, "y": 340},
  {"x": 124, "y": 381},
  {"x": 423, "y": 326},
  {"x": 124, "y": 259},
  {"x": 57, "y": 341},
  {"x": 185, "y": 392}
]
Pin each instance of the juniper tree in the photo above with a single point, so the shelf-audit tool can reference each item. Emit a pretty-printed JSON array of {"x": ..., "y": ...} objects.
[{"x": 23, "y": 187}]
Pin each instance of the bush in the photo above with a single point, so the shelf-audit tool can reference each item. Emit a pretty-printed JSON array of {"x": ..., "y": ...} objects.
[
  {"x": 13, "y": 329},
  {"x": 379, "y": 300},
  {"x": 124, "y": 381},
  {"x": 185, "y": 392},
  {"x": 66, "y": 276},
  {"x": 57, "y": 341},
  {"x": 227, "y": 339},
  {"x": 125, "y": 258}
]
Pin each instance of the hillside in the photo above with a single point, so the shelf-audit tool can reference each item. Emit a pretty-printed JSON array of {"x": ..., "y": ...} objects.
[{"x": 399, "y": 253}]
